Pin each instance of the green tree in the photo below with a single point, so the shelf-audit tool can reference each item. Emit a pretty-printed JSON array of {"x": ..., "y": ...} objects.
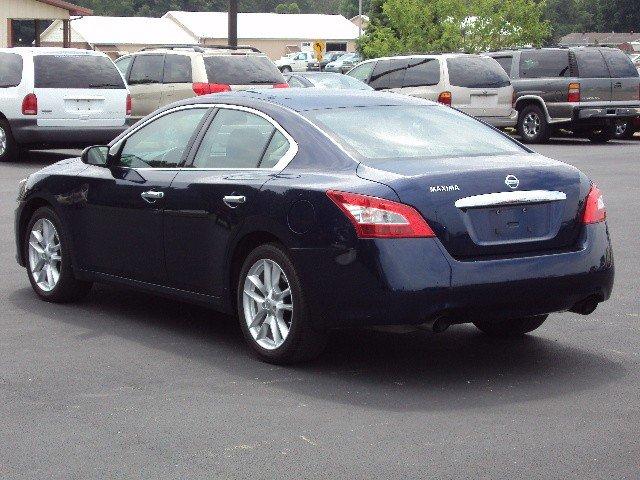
[
  {"x": 287, "y": 8},
  {"x": 453, "y": 25}
]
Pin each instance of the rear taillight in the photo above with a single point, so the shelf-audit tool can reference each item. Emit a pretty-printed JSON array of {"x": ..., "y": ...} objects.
[
  {"x": 375, "y": 217},
  {"x": 594, "y": 211},
  {"x": 207, "y": 88},
  {"x": 30, "y": 104},
  {"x": 281, "y": 85},
  {"x": 129, "y": 105},
  {"x": 574, "y": 93},
  {"x": 445, "y": 98}
]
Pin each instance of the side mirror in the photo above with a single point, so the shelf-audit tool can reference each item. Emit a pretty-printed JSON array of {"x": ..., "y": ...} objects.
[{"x": 97, "y": 155}]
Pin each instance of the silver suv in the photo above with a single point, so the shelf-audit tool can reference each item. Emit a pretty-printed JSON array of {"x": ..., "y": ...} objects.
[
  {"x": 160, "y": 76},
  {"x": 588, "y": 90},
  {"x": 473, "y": 84}
]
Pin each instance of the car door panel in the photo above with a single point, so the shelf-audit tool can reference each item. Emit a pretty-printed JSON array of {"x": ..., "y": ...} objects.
[
  {"x": 145, "y": 84},
  {"x": 199, "y": 225}
]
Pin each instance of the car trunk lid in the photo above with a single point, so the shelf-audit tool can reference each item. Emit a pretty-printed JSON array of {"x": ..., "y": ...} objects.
[{"x": 490, "y": 206}]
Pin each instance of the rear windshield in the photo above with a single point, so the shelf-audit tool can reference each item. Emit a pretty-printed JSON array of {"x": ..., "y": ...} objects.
[
  {"x": 10, "y": 70},
  {"x": 385, "y": 133},
  {"x": 620, "y": 63},
  {"x": 242, "y": 70},
  {"x": 544, "y": 63},
  {"x": 476, "y": 72},
  {"x": 76, "y": 71}
]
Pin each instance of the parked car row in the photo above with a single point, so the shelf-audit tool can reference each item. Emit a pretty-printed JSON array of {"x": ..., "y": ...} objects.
[{"x": 339, "y": 62}]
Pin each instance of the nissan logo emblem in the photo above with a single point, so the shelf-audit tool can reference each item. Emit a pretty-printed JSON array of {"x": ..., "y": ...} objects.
[{"x": 512, "y": 181}]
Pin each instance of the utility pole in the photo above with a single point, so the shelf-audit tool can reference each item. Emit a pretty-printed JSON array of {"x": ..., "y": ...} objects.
[
  {"x": 359, "y": 18},
  {"x": 233, "y": 23}
]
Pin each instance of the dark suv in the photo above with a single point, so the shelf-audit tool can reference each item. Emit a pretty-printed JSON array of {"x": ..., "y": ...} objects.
[{"x": 587, "y": 90}]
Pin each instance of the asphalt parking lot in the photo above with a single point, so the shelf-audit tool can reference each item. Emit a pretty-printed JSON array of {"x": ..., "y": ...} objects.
[{"x": 126, "y": 385}]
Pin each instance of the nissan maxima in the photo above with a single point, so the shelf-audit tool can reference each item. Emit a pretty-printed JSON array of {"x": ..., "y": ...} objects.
[{"x": 307, "y": 210}]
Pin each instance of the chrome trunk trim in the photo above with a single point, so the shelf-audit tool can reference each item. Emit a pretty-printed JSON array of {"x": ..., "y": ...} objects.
[{"x": 510, "y": 198}]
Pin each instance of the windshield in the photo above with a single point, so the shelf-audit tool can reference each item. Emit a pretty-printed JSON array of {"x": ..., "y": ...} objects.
[
  {"x": 242, "y": 70},
  {"x": 476, "y": 72},
  {"x": 337, "y": 81},
  {"x": 403, "y": 132}
]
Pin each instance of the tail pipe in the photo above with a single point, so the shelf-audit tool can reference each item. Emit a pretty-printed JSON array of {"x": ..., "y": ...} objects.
[{"x": 586, "y": 306}]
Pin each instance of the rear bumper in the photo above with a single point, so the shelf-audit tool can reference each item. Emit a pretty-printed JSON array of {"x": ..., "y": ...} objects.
[
  {"x": 605, "y": 112},
  {"x": 502, "y": 122},
  {"x": 28, "y": 133},
  {"x": 409, "y": 281}
]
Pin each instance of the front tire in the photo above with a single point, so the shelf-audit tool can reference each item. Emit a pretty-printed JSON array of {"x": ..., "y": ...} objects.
[
  {"x": 48, "y": 258},
  {"x": 9, "y": 149},
  {"x": 510, "y": 328},
  {"x": 532, "y": 125},
  {"x": 272, "y": 310},
  {"x": 286, "y": 70}
]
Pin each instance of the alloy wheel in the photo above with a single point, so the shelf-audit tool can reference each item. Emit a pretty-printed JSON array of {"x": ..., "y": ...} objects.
[
  {"x": 621, "y": 128},
  {"x": 45, "y": 255},
  {"x": 531, "y": 124},
  {"x": 267, "y": 304},
  {"x": 3, "y": 141}
]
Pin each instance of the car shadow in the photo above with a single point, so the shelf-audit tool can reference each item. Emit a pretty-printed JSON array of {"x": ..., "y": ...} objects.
[
  {"x": 46, "y": 157},
  {"x": 460, "y": 368}
]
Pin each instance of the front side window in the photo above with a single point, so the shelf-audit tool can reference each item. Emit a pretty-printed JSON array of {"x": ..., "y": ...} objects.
[
  {"x": 397, "y": 133},
  {"x": 239, "y": 139},
  {"x": 362, "y": 72},
  {"x": 75, "y": 71},
  {"x": 476, "y": 72},
  {"x": 544, "y": 63},
  {"x": 146, "y": 69},
  {"x": 177, "y": 69},
  {"x": 505, "y": 63},
  {"x": 10, "y": 70},
  {"x": 591, "y": 64},
  {"x": 162, "y": 143},
  {"x": 123, "y": 65}
]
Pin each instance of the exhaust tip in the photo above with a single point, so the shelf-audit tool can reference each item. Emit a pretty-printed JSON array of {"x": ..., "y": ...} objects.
[{"x": 586, "y": 306}]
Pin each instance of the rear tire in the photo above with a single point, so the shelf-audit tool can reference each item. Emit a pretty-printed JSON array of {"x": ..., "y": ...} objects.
[
  {"x": 47, "y": 255},
  {"x": 624, "y": 130},
  {"x": 277, "y": 327},
  {"x": 601, "y": 134},
  {"x": 286, "y": 70},
  {"x": 532, "y": 125},
  {"x": 510, "y": 328},
  {"x": 9, "y": 149}
]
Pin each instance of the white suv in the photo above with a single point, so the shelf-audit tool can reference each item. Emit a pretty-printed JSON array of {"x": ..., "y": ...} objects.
[
  {"x": 298, "y": 62},
  {"x": 59, "y": 97},
  {"x": 473, "y": 84}
]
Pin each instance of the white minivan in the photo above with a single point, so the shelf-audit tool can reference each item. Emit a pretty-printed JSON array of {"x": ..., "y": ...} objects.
[
  {"x": 473, "y": 84},
  {"x": 55, "y": 97}
]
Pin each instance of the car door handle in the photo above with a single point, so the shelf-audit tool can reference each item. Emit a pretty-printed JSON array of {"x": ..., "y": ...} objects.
[
  {"x": 618, "y": 85},
  {"x": 151, "y": 196},
  {"x": 233, "y": 201}
]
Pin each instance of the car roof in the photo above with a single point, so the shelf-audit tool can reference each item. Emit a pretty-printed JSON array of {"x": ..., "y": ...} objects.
[
  {"x": 308, "y": 99},
  {"x": 51, "y": 50}
]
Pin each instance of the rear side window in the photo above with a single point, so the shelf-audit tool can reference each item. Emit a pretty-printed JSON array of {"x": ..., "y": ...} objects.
[
  {"x": 238, "y": 139},
  {"x": 177, "y": 69},
  {"x": 505, "y": 63},
  {"x": 591, "y": 64},
  {"x": 146, "y": 69},
  {"x": 620, "y": 65},
  {"x": 242, "y": 70},
  {"x": 389, "y": 73},
  {"x": 421, "y": 72},
  {"x": 476, "y": 72},
  {"x": 76, "y": 71},
  {"x": 123, "y": 65},
  {"x": 10, "y": 70},
  {"x": 544, "y": 63}
]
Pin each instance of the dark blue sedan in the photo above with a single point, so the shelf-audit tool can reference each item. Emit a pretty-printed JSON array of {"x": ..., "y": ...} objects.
[{"x": 307, "y": 210}]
